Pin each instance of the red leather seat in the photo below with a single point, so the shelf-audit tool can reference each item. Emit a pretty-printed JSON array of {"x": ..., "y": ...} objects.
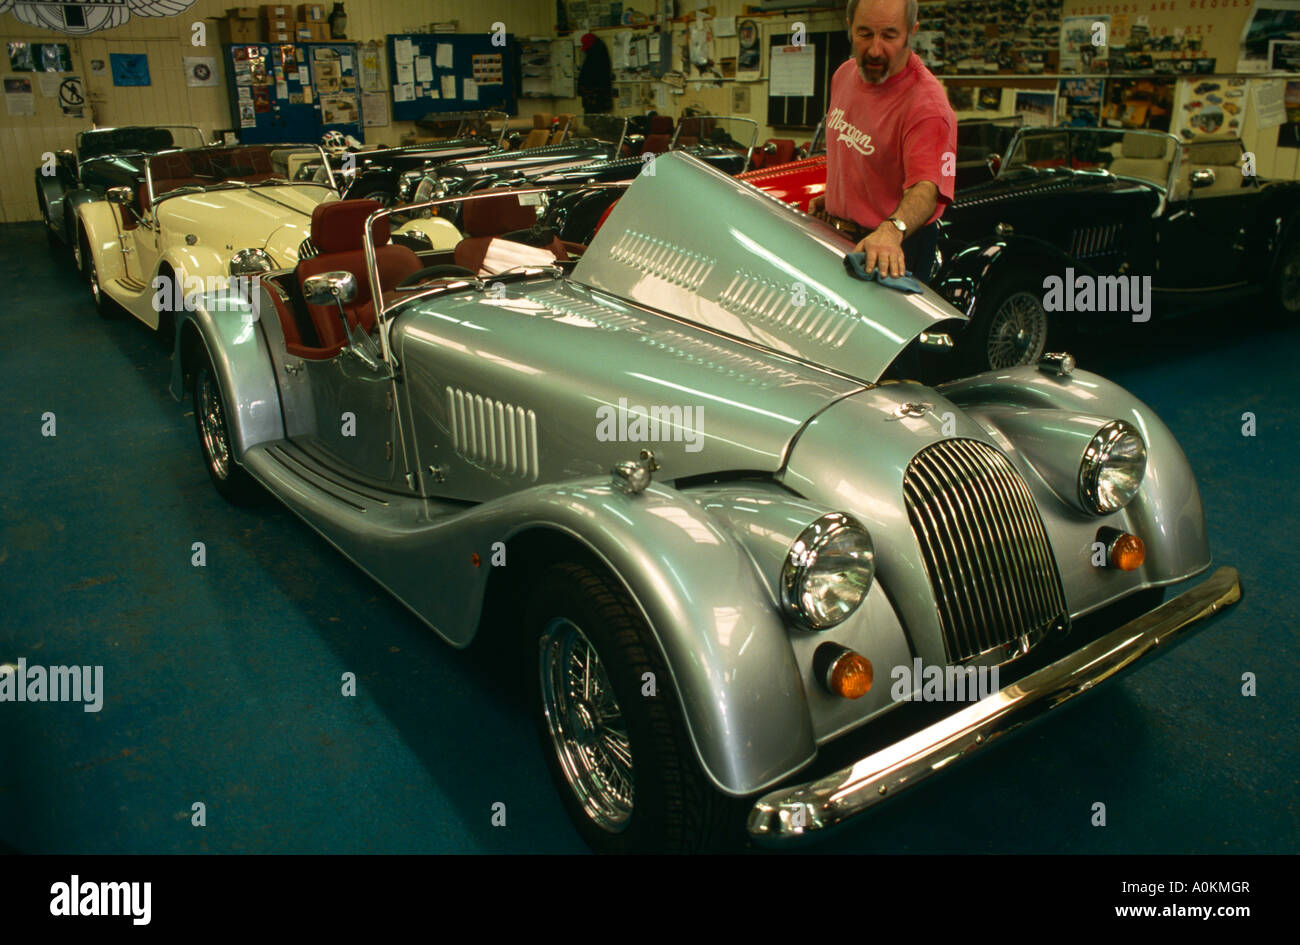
[
  {"x": 490, "y": 218},
  {"x": 336, "y": 230}
]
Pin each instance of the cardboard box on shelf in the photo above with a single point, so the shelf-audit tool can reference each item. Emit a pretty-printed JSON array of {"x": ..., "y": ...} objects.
[
  {"x": 278, "y": 26},
  {"x": 276, "y": 12},
  {"x": 311, "y": 11},
  {"x": 320, "y": 32},
  {"x": 239, "y": 30},
  {"x": 243, "y": 13},
  {"x": 303, "y": 33},
  {"x": 280, "y": 37}
]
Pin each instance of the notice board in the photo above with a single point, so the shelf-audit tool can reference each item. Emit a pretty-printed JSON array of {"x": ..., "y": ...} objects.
[
  {"x": 448, "y": 72},
  {"x": 830, "y": 49}
]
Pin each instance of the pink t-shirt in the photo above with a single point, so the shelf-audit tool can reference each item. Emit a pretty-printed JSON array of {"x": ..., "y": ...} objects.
[{"x": 882, "y": 139}]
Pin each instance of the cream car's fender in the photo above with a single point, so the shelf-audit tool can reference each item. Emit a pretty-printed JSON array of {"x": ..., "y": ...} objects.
[
  {"x": 194, "y": 262},
  {"x": 97, "y": 221},
  {"x": 443, "y": 234}
]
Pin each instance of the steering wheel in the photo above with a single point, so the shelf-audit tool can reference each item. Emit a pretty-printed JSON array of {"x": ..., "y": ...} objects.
[{"x": 435, "y": 272}]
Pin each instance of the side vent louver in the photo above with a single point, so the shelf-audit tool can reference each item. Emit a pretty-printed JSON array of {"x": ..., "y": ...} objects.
[{"x": 490, "y": 433}]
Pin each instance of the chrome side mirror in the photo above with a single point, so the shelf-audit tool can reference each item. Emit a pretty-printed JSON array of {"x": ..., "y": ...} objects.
[
  {"x": 122, "y": 196},
  {"x": 1201, "y": 177},
  {"x": 339, "y": 286},
  {"x": 769, "y": 148}
]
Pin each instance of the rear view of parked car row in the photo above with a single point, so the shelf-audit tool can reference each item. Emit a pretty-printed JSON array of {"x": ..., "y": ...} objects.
[{"x": 737, "y": 529}]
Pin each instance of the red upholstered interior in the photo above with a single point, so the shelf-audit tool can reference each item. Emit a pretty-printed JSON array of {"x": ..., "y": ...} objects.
[
  {"x": 655, "y": 144},
  {"x": 336, "y": 229},
  {"x": 491, "y": 216},
  {"x": 661, "y": 125}
]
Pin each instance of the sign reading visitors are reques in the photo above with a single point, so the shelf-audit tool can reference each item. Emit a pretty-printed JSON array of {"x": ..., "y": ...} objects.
[{"x": 445, "y": 72}]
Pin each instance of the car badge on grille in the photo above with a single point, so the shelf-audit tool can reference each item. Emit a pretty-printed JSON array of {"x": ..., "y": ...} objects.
[{"x": 909, "y": 410}]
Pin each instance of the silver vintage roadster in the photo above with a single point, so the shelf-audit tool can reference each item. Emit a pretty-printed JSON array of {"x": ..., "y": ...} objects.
[{"x": 678, "y": 475}]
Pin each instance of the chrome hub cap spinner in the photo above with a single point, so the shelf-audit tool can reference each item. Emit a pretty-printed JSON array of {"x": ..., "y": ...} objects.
[
  {"x": 586, "y": 726},
  {"x": 212, "y": 423},
  {"x": 1018, "y": 332}
]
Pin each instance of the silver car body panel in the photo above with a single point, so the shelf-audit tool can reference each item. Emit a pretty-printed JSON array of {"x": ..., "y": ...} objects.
[
  {"x": 758, "y": 270},
  {"x": 494, "y": 432}
]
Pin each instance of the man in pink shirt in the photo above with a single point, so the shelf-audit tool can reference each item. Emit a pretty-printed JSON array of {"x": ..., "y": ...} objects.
[{"x": 890, "y": 137}]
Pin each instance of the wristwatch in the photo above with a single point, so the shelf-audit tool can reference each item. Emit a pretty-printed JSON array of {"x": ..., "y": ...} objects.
[{"x": 902, "y": 227}]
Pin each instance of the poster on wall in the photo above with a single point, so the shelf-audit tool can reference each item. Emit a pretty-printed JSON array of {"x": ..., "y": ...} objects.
[
  {"x": 1038, "y": 109},
  {"x": 200, "y": 71},
  {"x": 1269, "y": 20},
  {"x": 129, "y": 68},
  {"x": 88, "y": 16},
  {"x": 1211, "y": 107},
  {"x": 72, "y": 97},
  {"x": 1288, "y": 133},
  {"x": 1078, "y": 103},
  {"x": 1284, "y": 55},
  {"x": 1077, "y": 47},
  {"x": 19, "y": 99},
  {"x": 1138, "y": 103},
  {"x": 39, "y": 57},
  {"x": 749, "y": 64}
]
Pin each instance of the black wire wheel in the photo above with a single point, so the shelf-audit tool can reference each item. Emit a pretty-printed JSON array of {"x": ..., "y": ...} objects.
[
  {"x": 609, "y": 719},
  {"x": 1010, "y": 329},
  {"x": 230, "y": 479}
]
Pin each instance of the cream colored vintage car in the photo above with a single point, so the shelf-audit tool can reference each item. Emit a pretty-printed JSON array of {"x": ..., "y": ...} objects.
[{"x": 180, "y": 223}]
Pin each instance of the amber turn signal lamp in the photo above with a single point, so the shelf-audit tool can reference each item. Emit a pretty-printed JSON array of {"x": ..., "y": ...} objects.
[
  {"x": 843, "y": 672},
  {"x": 1127, "y": 553}
]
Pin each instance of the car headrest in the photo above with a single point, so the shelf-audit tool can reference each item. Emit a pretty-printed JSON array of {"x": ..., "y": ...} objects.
[
  {"x": 1143, "y": 146},
  {"x": 336, "y": 226},
  {"x": 661, "y": 125},
  {"x": 492, "y": 216},
  {"x": 157, "y": 139},
  {"x": 541, "y": 120}
]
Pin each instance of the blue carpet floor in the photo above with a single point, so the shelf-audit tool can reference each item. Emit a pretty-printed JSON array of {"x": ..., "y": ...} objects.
[{"x": 223, "y": 683}]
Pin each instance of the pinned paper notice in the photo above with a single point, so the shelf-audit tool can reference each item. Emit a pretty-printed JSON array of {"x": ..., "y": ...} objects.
[
  {"x": 403, "y": 92},
  {"x": 449, "y": 86},
  {"x": 346, "y": 60},
  {"x": 282, "y": 89},
  {"x": 405, "y": 72},
  {"x": 423, "y": 69},
  {"x": 469, "y": 90},
  {"x": 444, "y": 55},
  {"x": 403, "y": 50}
]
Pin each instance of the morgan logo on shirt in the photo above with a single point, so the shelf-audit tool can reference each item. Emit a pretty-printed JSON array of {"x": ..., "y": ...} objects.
[{"x": 850, "y": 136}]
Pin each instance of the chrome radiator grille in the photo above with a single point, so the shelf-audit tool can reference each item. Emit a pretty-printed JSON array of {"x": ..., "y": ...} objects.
[{"x": 985, "y": 549}]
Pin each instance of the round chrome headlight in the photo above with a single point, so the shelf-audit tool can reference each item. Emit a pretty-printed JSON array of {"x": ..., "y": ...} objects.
[
  {"x": 827, "y": 572},
  {"x": 249, "y": 261},
  {"x": 407, "y": 184},
  {"x": 1112, "y": 468},
  {"x": 429, "y": 188}
]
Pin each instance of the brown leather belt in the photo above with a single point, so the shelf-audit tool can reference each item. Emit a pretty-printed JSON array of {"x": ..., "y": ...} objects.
[{"x": 854, "y": 231}]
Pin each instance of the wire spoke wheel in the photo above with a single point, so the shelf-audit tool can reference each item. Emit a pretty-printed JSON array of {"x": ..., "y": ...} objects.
[
  {"x": 212, "y": 425},
  {"x": 1017, "y": 332},
  {"x": 586, "y": 726}
]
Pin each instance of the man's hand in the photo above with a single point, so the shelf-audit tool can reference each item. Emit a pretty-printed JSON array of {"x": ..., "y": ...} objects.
[
  {"x": 884, "y": 250},
  {"x": 817, "y": 206}
]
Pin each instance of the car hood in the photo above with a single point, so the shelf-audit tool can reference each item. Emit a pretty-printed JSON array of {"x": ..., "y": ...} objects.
[
  {"x": 691, "y": 241},
  {"x": 274, "y": 218},
  {"x": 580, "y": 151}
]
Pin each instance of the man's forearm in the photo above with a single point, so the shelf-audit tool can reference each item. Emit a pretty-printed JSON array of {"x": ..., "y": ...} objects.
[{"x": 917, "y": 206}]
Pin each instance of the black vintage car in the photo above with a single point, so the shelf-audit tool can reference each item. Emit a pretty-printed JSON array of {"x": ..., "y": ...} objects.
[
  {"x": 1089, "y": 226},
  {"x": 592, "y": 139},
  {"x": 390, "y": 175},
  {"x": 105, "y": 157}
]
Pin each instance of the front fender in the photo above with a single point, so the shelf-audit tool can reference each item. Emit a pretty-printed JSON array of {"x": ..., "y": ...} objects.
[
  {"x": 190, "y": 262},
  {"x": 1167, "y": 511},
  {"x": 97, "y": 220},
  {"x": 225, "y": 328},
  {"x": 965, "y": 274}
]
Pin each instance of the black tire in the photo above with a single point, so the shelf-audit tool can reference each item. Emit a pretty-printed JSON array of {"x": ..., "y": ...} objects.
[
  {"x": 229, "y": 478},
  {"x": 671, "y": 807},
  {"x": 1010, "y": 326},
  {"x": 104, "y": 305},
  {"x": 1284, "y": 283}
]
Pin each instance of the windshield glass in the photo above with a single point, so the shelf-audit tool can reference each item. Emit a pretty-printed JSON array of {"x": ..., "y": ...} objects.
[
  {"x": 602, "y": 127},
  {"x": 736, "y": 134},
  {"x": 1141, "y": 155},
  {"x": 248, "y": 164},
  {"x": 137, "y": 138}
]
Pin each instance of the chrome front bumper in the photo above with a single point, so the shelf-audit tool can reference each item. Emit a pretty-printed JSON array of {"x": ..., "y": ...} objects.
[{"x": 803, "y": 810}]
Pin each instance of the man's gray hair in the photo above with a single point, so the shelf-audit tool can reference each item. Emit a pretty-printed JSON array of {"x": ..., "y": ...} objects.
[{"x": 909, "y": 13}]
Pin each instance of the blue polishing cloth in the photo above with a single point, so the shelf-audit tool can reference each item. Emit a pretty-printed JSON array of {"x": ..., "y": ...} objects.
[{"x": 855, "y": 263}]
